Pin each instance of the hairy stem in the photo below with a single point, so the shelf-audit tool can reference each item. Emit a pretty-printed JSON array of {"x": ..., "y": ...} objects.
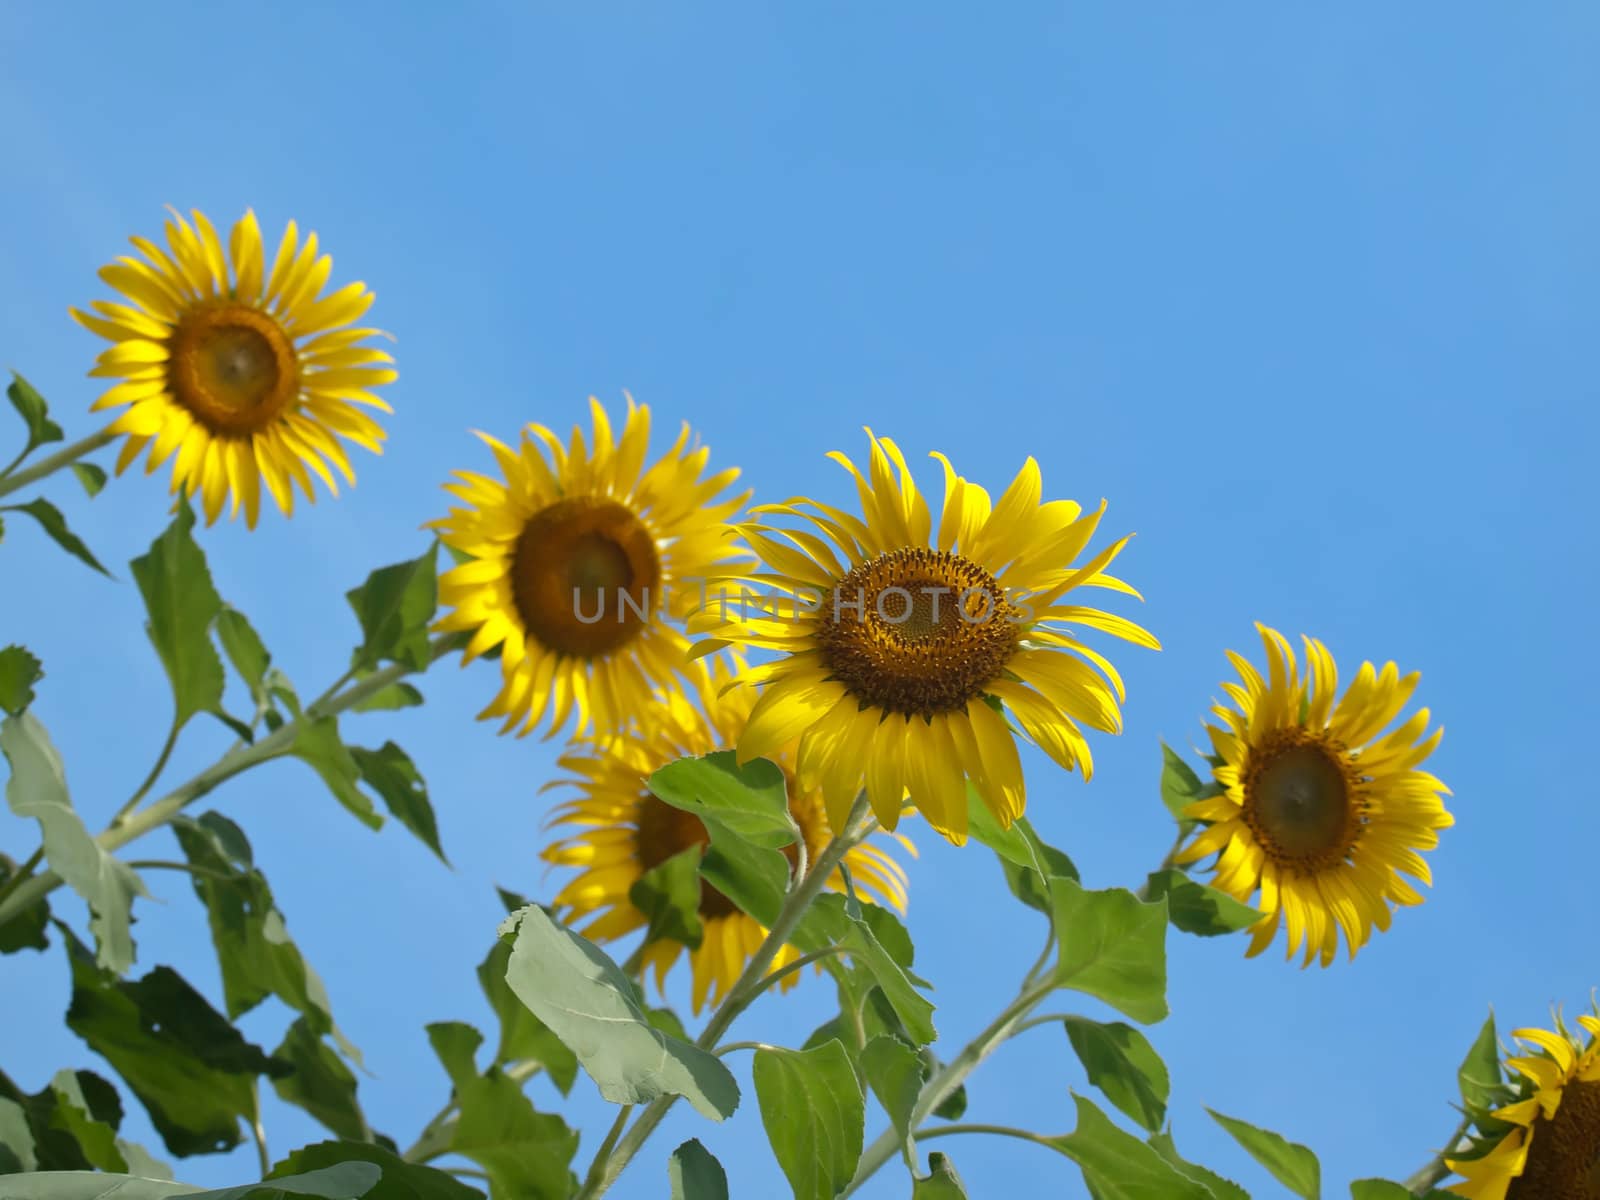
[
  {"x": 1425, "y": 1177},
  {"x": 61, "y": 458}
]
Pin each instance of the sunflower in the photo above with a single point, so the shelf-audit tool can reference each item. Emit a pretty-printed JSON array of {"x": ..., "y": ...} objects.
[
  {"x": 1553, "y": 1146},
  {"x": 244, "y": 373},
  {"x": 1316, "y": 810},
  {"x": 898, "y": 645},
  {"x": 577, "y": 560},
  {"x": 623, "y": 830}
]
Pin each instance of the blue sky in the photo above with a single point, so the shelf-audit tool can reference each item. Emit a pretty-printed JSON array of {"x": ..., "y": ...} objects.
[{"x": 1306, "y": 293}]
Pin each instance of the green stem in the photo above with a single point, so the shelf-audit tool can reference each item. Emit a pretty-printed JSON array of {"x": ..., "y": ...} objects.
[
  {"x": 24, "y": 873},
  {"x": 258, "y": 1131},
  {"x": 799, "y": 964},
  {"x": 1436, "y": 1169},
  {"x": 61, "y": 458},
  {"x": 731, "y": 1047},
  {"x": 237, "y": 760},
  {"x": 794, "y": 907},
  {"x": 158, "y": 864},
  {"x": 998, "y": 1130},
  {"x": 437, "y": 1135},
  {"x": 150, "y": 779},
  {"x": 604, "y": 1152}
]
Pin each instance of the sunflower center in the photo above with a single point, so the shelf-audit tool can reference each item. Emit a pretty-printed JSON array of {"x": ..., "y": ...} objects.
[
  {"x": 664, "y": 831},
  {"x": 233, "y": 367},
  {"x": 1301, "y": 801},
  {"x": 584, "y": 576},
  {"x": 917, "y": 631},
  {"x": 1564, "y": 1150}
]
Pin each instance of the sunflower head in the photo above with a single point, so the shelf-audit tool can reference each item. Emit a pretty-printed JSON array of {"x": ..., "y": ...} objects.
[
  {"x": 1546, "y": 1139},
  {"x": 578, "y": 561},
  {"x": 899, "y": 647},
  {"x": 616, "y": 830},
  {"x": 1316, "y": 807},
  {"x": 239, "y": 372}
]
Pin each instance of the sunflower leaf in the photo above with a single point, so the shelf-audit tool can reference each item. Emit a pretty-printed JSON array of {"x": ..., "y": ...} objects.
[
  {"x": 1293, "y": 1165},
  {"x": 319, "y": 744},
  {"x": 814, "y": 1115},
  {"x": 1479, "y": 1075},
  {"x": 523, "y": 1037},
  {"x": 1221, "y": 1189},
  {"x": 92, "y": 478},
  {"x": 1026, "y": 859},
  {"x": 350, "y": 1181},
  {"x": 941, "y": 1183},
  {"x": 394, "y": 606},
  {"x": 1180, "y": 786},
  {"x": 400, "y": 1180},
  {"x": 1120, "y": 1061},
  {"x": 827, "y": 923},
  {"x": 895, "y": 1072},
  {"x": 1118, "y": 1166},
  {"x": 245, "y": 651},
  {"x": 35, "y": 413},
  {"x": 74, "y": 1115},
  {"x": 54, "y": 524},
  {"x": 182, "y": 603},
  {"x": 1198, "y": 908},
  {"x": 749, "y": 801},
  {"x": 396, "y": 695},
  {"x": 321, "y": 1084},
  {"x": 668, "y": 894},
  {"x": 38, "y": 789},
  {"x": 16, "y": 1139},
  {"x": 584, "y": 998},
  {"x": 1112, "y": 946},
  {"x": 389, "y": 771},
  {"x": 694, "y": 1174},
  {"x": 26, "y": 930},
  {"x": 19, "y": 671}
]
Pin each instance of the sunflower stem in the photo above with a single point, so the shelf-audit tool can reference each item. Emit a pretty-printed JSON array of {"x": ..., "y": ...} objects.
[
  {"x": 48, "y": 466},
  {"x": 1424, "y": 1178},
  {"x": 24, "y": 873},
  {"x": 233, "y": 762},
  {"x": 612, "y": 1160},
  {"x": 998, "y": 1130},
  {"x": 150, "y": 779}
]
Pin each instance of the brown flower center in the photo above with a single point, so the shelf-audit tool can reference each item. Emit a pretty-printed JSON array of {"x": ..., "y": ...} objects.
[
  {"x": 1302, "y": 800},
  {"x": 233, "y": 367},
  {"x": 663, "y": 831},
  {"x": 917, "y": 631},
  {"x": 1564, "y": 1150},
  {"x": 584, "y": 576}
]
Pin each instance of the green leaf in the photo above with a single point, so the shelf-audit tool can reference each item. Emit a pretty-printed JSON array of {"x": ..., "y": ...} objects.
[
  {"x": 895, "y": 1073},
  {"x": 182, "y": 603},
  {"x": 191, "y": 1070},
  {"x": 523, "y": 1037},
  {"x": 1479, "y": 1074},
  {"x": 254, "y": 951},
  {"x": 92, "y": 478},
  {"x": 321, "y": 1083},
  {"x": 750, "y": 802},
  {"x": 26, "y": 930},
  {"x": 394, "y": 607},
  {"x": 1221, "y": 1189},
  {"x": 35, "y": 413},
  {"x": 1027, "y": 860},
  {"x": 245, "y": 651},
  {"x": 813, "y": 1111},
  {"x": 401, "y": 1180},
  {"x": 389, "y": 771},
  {"x": 942, "y": 1182},
  {"x": 1378, "y": 1189},
  {"x": 1290, "y": 1164},
  {"x": 54, "y": 524},
  {"x": 1197, "y": 907},
  {"x": 38, "y": 789},
  {"x": 526, "y": 1153},
  {"x": 693, "y": 1174},
  {"x": 53, "y": 1131},
  {"x": 96, "y": 1139},
  {"x": 319, "y": 744},
  {"x": 387, "y": 699},
  {"x": 1118, "y": 1166},
  {"x": 580, "y": 994},
  {"x": 16, "y": 1139},
  {"x": 1112, "y": 946},
  {"x": 1122, "y": 1064},
  {"x": 668, "y": 894},
  {"x": 350, "y": 1181},
  {"x": 19, "y": 671},
  {"x": 827, "y": 923},
  {"x": 1180, "y": 786}
]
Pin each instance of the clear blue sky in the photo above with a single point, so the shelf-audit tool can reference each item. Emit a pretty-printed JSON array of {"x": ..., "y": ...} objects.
[{"x": 1308, "y": 293}]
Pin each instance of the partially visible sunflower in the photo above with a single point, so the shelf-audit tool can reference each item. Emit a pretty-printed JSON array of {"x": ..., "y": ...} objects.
[
  {"x": 578, "y": 560},
  {"x": 247, "y": 373},
  {"x": 1552, "y": 1150},
  {"x": 1317, "y": 812},
  {"x": 893, "y": 668},
  {"x": 622, "y": 830}
]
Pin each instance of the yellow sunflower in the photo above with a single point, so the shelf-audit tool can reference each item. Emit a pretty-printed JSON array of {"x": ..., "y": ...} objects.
[
  {"x": 246, "y": 373},
  {"x": 579, "y": 558},
  {"x": 1317, "y": 812},
  {"x": 622, "y": 831},
  {"x": 1552, "y": 1151},
  {"x": 897, "y": 643}
]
